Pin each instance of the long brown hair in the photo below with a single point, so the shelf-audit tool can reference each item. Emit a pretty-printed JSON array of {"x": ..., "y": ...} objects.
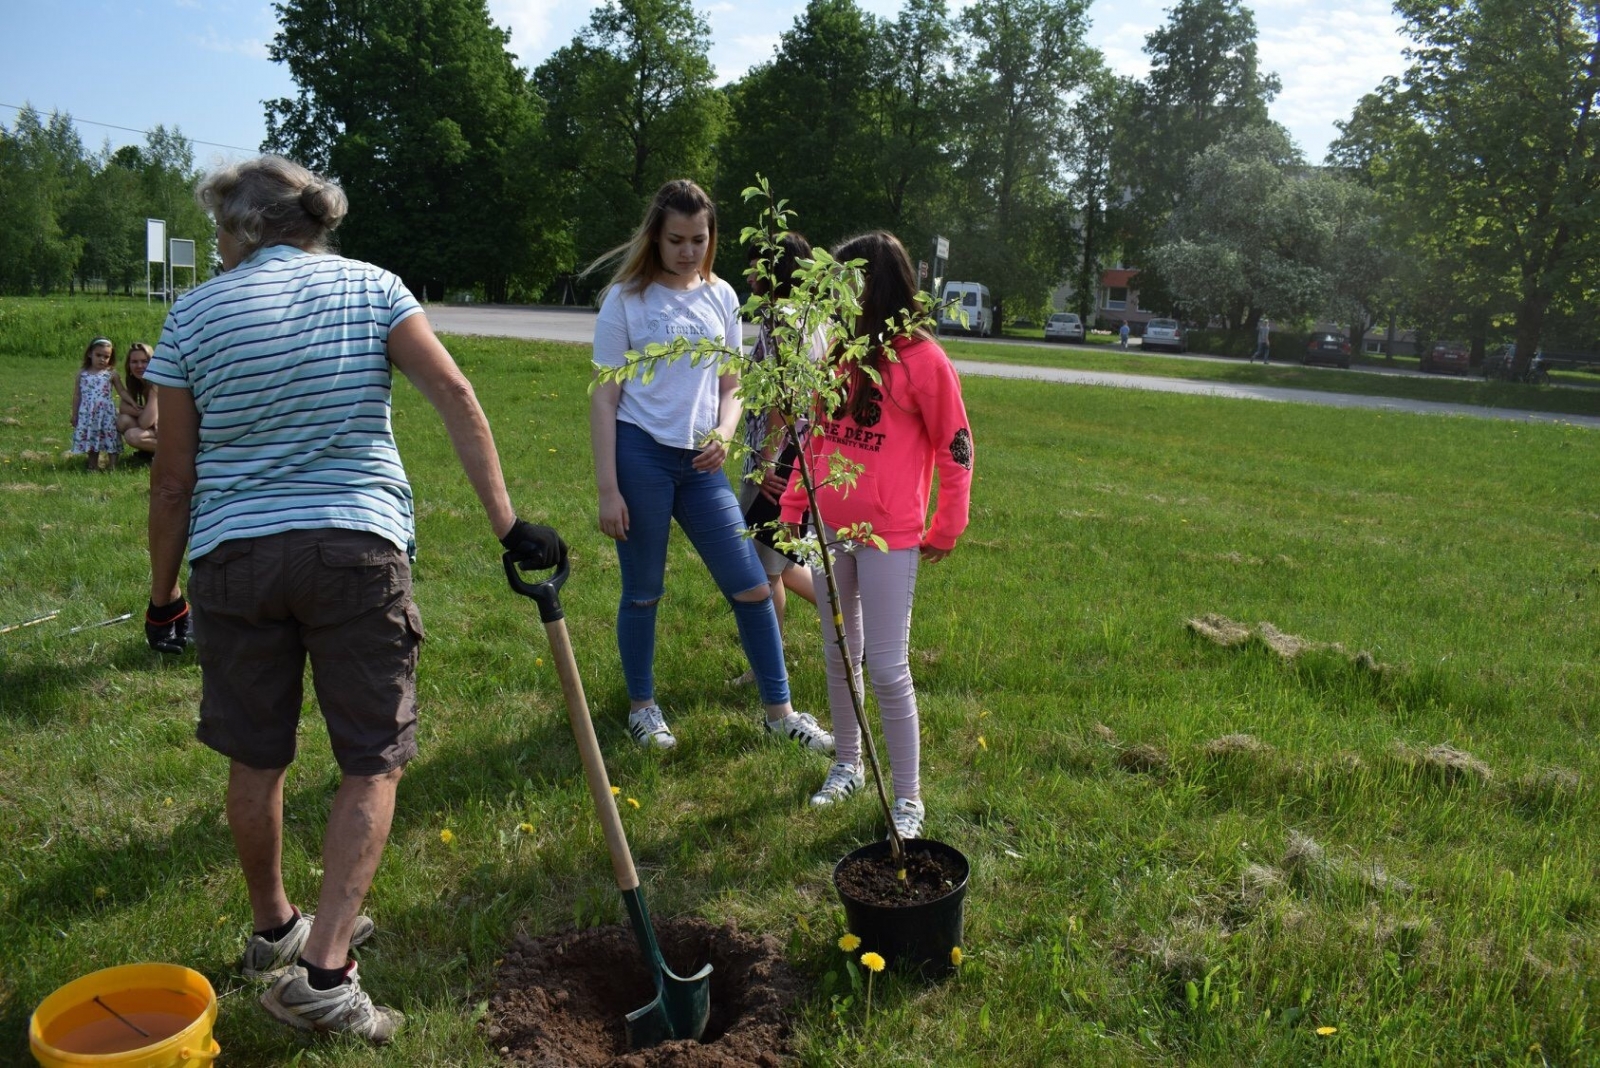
[
  {"x": 138, "y": 388},
  {"x": 888, "y": 297},
  {"x": 640, "y": 256},
  {"x": 782, "y": 262}
]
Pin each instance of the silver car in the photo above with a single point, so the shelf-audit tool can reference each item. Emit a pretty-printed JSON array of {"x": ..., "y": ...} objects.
[
  {"x": 1063, "y": 326},
  {"x": 1163, "y": 334}
]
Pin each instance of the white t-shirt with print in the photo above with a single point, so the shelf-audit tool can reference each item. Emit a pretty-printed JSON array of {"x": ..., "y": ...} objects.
[{"x": 678, "y": 406}]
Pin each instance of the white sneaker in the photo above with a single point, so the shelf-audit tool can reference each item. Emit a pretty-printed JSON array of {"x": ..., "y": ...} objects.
[
  {"x": 908, "y": 816},
  {"x": 345, "y": 1009},
  {"x": 802, "y": 727},
  {"x": 649, "y": 728},
  {"x": 268, "y": 960},
  {"x": 842, "y": 781}
]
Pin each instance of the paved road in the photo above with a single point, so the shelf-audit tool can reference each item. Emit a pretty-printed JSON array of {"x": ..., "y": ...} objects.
[{"x": 577, "y": 324}]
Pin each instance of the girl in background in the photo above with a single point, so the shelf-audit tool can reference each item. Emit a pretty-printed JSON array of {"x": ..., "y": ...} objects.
[
  {"x": 758, "y": 494},
  {"x": 900, "y": 430},
  {"x": 659, "y": 447},
  {"x": 94, "y": 405},
  {"x": 136, "y": 416}
]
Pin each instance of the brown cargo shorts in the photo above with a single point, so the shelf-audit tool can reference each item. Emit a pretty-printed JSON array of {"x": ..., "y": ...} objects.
[{"x": 341, "y": 597}]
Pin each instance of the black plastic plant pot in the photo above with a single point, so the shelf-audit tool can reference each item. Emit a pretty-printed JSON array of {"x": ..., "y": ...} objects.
[{"x": 915, "y": 938}]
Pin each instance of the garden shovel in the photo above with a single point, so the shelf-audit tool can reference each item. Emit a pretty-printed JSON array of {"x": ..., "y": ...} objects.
[{"x": 682, "y": 1006}]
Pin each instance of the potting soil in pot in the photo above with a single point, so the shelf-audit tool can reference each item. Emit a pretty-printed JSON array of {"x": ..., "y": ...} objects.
[
  {"x": 561, "y": 999},
  {"x": 876, "y": 880}
]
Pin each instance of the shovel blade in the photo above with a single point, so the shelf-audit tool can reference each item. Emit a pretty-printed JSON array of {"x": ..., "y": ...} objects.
[{"x": 681, "y": 1009}]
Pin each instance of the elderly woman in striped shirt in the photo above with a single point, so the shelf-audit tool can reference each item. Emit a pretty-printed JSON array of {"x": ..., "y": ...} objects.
[{"x": 279, "y": 473}]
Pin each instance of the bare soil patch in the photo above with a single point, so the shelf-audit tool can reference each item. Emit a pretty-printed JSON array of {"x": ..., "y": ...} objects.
[{"x": 560, "y": 999}]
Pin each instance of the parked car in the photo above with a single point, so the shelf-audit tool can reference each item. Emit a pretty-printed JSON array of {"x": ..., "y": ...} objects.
[
  {"x": 1063, "y": 326},
  {"x": 1498, "y": 364},
  {"x": 1451, "y": 356},
  {"x": 1327, "y": 347},
  {"x": 1163, "y": 334}
]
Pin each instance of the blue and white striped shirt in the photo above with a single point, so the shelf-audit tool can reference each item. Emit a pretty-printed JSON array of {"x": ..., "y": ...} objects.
[{"x": 287, "y": 358}]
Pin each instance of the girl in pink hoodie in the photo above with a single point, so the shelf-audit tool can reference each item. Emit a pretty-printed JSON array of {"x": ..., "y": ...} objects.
[{"x": 900, "y": 430}]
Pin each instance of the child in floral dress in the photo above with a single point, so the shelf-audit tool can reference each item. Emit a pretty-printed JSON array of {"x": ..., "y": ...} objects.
[{"x": 94, "y": 405}]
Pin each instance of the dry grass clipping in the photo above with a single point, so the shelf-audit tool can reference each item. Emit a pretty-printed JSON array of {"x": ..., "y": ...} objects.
[
  {"x": 1220, "y": 630},
  {"x": 1144, "y": 758},
  {"x": 1230, "y": 744},
  {"x": 1447, "y": 761}
]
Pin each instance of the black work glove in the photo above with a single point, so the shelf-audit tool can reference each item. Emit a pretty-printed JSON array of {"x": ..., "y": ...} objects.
[
  {"x": 532, "y": 547},
  {"x": 166, "y": 627}
]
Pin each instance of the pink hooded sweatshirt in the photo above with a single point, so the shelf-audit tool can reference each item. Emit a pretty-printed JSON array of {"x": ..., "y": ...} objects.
[{"x": 915, "y": 424}]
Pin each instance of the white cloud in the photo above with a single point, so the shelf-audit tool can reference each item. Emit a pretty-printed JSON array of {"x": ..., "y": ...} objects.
[
  {"x": 212, "y": 41},
  {"x": 533, "y": 26}
]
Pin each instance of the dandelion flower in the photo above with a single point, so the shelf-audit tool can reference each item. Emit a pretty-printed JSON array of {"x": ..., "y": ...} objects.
[
  {"x": 525, "y": 828},
  {"x": 538, "y": 661},
  {"x": 1327, "y": 1030},
  {"x": 101, "y": 891},
  {"x": 872, "y": 962},
  {"x": 983, "y": 743},
  {"x": 633, "y": 802},
  {"x": 447, "y": 836},
  {"x": 168, "y": 802},
  {"x": 849, "y": 942},
  {"x": 616, "y": 791},
  {"x": 955, "y": 956}
]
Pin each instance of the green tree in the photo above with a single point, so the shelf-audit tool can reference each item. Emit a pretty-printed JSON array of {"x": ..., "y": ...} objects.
[
  {"x": 806, "y": 120},
  {"x": 1250, "y": 232},
  {"x": 1087, "y": 154},
  {"x": 1499, "y": 146},
  {"x": 42, "y": 170},
  {"x": 425, "y": 119},
  {"x": 1011, "y": 221},
  {"x": 1205, "y": 83},
  {"x": 108, "y": 215},
  {"x": 631, "y": 103},
  {"x": 911, "y": 109}
]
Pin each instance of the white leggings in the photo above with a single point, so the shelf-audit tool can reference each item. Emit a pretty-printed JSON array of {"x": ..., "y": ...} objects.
[{"x": 876, "y": 590}]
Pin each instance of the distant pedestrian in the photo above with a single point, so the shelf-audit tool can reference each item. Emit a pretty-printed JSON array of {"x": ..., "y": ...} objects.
[
  {"x": 1263, "y": 340},
  {"x": 1123, "y": 335}
]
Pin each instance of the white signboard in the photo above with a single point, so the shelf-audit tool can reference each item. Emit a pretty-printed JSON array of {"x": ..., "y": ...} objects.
[
  {"x": 155, "y": 240},
  {"x": 182, "y": 252},
  {"x": 941, "y": 247}
]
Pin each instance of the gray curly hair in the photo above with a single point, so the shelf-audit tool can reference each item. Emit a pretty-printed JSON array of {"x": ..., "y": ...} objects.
[{"x": 270, "y": 200}]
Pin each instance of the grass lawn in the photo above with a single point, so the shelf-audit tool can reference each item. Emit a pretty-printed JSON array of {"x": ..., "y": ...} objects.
[{"x": 1183, "y": 851}]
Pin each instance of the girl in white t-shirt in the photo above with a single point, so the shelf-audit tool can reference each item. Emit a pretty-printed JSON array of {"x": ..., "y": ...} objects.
[{"x": 659, "y": 447}]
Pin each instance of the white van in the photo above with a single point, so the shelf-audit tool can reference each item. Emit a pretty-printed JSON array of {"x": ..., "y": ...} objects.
[{"x": 973, "y": 299}]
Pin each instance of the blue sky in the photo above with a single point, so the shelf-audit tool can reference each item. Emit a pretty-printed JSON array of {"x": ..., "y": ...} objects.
[{"x": 202, "y": 65}]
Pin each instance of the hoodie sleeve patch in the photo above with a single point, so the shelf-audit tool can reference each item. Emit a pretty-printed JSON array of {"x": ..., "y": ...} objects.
[{"x": 961, "y": 448}]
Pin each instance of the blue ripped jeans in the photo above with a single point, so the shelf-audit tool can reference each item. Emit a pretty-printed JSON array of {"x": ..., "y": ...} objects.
[{"x": 660, "y": 484}]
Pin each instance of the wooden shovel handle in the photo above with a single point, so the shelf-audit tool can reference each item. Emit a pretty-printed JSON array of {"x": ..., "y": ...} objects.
[{"x": 594, "y": 768}]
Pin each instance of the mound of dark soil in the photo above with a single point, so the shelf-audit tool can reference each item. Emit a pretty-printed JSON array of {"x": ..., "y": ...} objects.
[{"x": 560, "y": 1000}]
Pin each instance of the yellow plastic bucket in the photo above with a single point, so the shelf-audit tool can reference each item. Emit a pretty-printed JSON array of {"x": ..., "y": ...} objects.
[{"x": 97, "y": 1020}]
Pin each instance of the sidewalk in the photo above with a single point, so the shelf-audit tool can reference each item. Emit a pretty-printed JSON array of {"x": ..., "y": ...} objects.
[{"x": 1278, "y": 394}]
